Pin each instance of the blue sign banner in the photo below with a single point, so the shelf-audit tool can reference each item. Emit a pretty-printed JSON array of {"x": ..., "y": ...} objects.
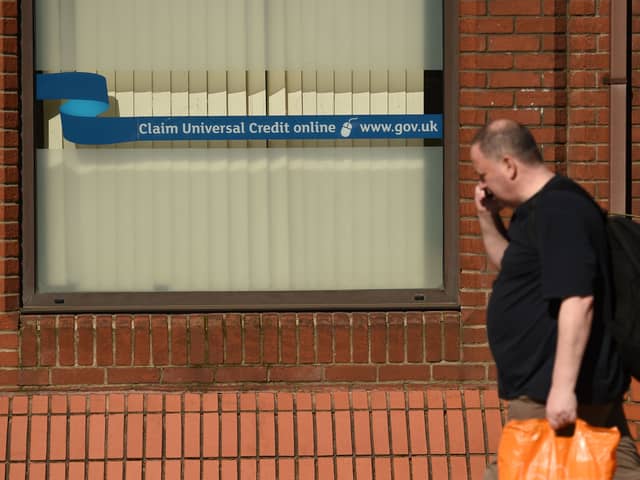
[{"x": 87, "y": 98}]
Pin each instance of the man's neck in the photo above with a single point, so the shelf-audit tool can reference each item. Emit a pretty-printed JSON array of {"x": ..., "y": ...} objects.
[{"x": 534, "y": 181}]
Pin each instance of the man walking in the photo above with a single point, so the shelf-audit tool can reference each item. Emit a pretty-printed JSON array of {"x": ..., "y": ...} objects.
[{"x": 552, "y": 297}]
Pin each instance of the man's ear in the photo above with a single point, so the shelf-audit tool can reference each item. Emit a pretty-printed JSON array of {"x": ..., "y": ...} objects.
[{"x": 511, "y": 166}]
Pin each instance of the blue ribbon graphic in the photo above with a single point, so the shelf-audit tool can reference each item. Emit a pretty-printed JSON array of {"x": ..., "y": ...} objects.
[{"x": 87, "y": 98}]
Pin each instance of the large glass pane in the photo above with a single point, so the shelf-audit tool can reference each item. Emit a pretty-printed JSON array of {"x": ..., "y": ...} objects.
[{"x": 242, "y": 215}]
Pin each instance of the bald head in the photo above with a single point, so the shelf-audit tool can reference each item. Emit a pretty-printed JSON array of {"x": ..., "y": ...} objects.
[{"x": 506, "y": 137}]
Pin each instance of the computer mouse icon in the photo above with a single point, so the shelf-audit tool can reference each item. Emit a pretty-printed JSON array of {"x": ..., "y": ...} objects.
[{"x": 347, "y": 127}]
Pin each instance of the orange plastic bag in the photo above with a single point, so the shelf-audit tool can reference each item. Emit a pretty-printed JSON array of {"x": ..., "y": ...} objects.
[{"x": 530, "y": 449}]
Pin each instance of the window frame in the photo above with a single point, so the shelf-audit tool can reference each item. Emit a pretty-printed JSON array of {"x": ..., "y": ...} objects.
[{"x": 327, "y": 300}]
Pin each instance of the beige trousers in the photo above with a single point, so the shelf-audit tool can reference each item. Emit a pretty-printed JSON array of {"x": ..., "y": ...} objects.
[{"x": 609, "y": 415}]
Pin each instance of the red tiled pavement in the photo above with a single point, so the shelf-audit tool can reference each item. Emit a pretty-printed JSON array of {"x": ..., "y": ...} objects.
[{"x": 438, "y": 434}]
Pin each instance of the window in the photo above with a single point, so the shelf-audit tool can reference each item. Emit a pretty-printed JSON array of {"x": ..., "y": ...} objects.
[{"x": 273, "y": 217}]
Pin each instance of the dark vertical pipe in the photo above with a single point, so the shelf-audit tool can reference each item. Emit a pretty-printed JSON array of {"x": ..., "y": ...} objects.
[{"x": 619, "y": 108}]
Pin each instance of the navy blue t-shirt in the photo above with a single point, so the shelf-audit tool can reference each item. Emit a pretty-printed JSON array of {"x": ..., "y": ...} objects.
[{"x": 557, "y": 249}]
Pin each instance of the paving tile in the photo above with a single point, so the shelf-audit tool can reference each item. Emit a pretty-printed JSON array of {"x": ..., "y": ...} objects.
[
  {"x": 97, "y": 403},
  {"x": 229, "y": 434},
  {"x": 18, "y": 471},
  {"x": 397, "y": 400},
  {"x": 153, "y": 439},
  {"x": 344, "y": 468},
  {"x": 77, "y": 404},
  {"x": 401, "y": 468},
  {"x": 458, "y": 468},
  {"x": 114, "y": 470},
  {"x": 58, "y": 430},
  {"x": 416, "y": 399},
  {"x": 435, "y": 432},
  {"x": 97, "y": 428},
  {"x": 210, "y": 434},
  {"x": 248, "y": 431},
  {"x": 266, "y": 433},
  {"x": 494, "y": 428},
  {"x": 20, "y": 405},
  {"x": 341, "y": 400},
  {"x": 471, "y": 399},
  {"x": 325, "y": 468},
  {"x": 306, "y": 469},
  {"x": 378, "y": 400},
  {"x": 133, "y": 471},
  {"x": 304, "y": 401},
  {"x": 417, "y": 432},
  {"x": 38, "y": 438},
  {"x": 18, "y": 441},
  {"x": 439, "y": 468},
  {"x": 380, "y": 430},
  {"x": 419, "y": 468},
  {"x": 478, "y": 464},
  {"x": 453, "y": 399},
  {"x": 266, "y": 469},
  {"x": 135, "y": 402},
  {"x": 323, "y": 401},
  {"x": 266, "y": 401},
  {"x": 285, "y": 401},
  {"x": 382, "y": 467},
  {"x": 192, "y": 402},
  {"x": 475, "y": 430},
  {"x": 191, "y": 435},
  {"x": 248, "y": 401},
  {"x": 325, "y": 437},
  {"x": 96, "y": 470},
  {"x": 57, "y": 471},
  {"x": 364, "y": 469},
  {"x": 77, "y": 437},
  {"x": 286, "y": 429},
  {"x": 286, "y": 469},
  {"x": 172, "y": 403},
  {"x": 360, "y": 400},
  {"x": 37, "y": 471},
  {"x": 434, "y": 399},
  {"x": 362, "y": 432},
  {"x": 39, "y": 404},
  {"x": 210, "y": 470},
  {"x": 76, "y": 470},
  {"x": 115, "y": 435},
  {"x": 115, "y": 403},
  {"x": 455, "y": 428},
  {"x": 172, "y": 469},
  {"x": 343, "y": 433},
  {"x": 135, "y": 426},
  {"x": 228, "y": 470},
  {"x": 248, "y": 469},
  {"x": 304, "y": 429},
  {"x": 210, "y": 402}
]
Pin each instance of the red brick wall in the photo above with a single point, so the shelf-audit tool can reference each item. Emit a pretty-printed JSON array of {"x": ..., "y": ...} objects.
[
  {"x": 635, "y": 113},
  {"x": 9, "y": 193},
  {"x": 542, "y": 62}
]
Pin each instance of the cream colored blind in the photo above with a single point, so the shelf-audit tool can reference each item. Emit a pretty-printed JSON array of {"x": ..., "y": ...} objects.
[
  {"x": 93, "y": 35},
  {"x": 235, "y": 219},
  {"x": 238, "y": 216}
]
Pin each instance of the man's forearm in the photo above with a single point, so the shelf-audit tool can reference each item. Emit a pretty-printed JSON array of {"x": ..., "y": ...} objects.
[
  {"x": 574, "y": 326},
  {"x": 493, "y": 236}
]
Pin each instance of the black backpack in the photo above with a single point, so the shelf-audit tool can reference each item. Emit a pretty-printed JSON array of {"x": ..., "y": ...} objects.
[
  {"x": 624, "y": 247},
  {"x": 623, "y": 236}
]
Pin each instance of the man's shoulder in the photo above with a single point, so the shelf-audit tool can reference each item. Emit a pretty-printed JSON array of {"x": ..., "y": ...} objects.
[{"x": 563, "y": 193}]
